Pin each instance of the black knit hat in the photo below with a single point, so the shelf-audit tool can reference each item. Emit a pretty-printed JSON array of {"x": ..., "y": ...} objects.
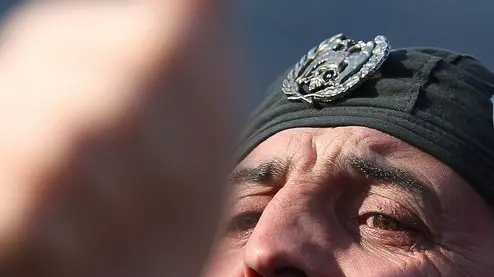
[{"x": 437, "y": 100}]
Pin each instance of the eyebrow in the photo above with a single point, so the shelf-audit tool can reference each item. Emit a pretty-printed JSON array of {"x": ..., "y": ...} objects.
[
  {"x": 387, "y": 174},
  {"x": 267, "y": 173},
  {"x": 272, "y": 173}
]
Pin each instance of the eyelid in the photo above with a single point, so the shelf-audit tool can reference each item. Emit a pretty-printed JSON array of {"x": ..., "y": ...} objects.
[
  {"x": 379, "y": 203},
  {"x": 246, "y": 205},
  {"x": 253, "y": 190},
  {"x": 400, "y": 200},
  {"x": 387, "y": 206},
  {"x": 247, "y": 215}
]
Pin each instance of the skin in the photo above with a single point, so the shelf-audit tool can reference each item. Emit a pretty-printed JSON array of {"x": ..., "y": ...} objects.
[
  {"x": 96, "y": 167},
  {"x": 350, "y": 201}
]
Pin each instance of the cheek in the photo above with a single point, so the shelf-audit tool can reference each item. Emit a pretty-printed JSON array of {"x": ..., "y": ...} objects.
[
  {"x": 378, "y": 262},
  {"x": 224, "y": 263}
]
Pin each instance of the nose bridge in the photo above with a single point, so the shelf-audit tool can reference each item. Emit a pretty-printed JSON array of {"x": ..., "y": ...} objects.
[
  {"x": 289, "y": 237},
  {"x": 277, "y": 236},
  {"x": 281, "y": 218}
]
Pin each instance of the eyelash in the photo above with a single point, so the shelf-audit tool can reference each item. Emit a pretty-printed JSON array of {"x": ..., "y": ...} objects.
[
  {"x": 243, "y": 222},
  {"x": 241, "y": 226},
  {"x": 374, "y": 219},
  {"x": 248, "y": 220}
]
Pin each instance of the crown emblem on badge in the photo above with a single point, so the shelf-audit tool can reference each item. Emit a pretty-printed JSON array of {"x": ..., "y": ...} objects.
[{"x": 333, "y": 68}]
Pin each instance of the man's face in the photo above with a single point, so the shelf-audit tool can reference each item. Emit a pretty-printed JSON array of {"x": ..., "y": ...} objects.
[{"x": 350, "y": 201}]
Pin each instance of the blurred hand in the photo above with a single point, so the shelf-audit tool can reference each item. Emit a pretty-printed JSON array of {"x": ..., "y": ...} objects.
[{"x": 113, "y": 129}]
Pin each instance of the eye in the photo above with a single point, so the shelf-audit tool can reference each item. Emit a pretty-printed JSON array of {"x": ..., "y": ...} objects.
[
  {"x": 338, "y": 47},
  {"x": 384, "y": 222},
  {"x": 328, "y": 76},
  {"x": 322, "y": 70},
  {"x": 383, "y": 229},
  {"x": 244, "y": 222}
]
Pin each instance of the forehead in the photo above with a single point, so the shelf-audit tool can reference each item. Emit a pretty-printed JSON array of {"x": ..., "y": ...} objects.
[
  {"x": 313, "y": 147},
  {"x": 326, "y": 143}
]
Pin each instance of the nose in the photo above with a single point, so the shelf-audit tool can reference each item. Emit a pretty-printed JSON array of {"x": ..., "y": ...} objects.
[{"x": 289, "y": 241}]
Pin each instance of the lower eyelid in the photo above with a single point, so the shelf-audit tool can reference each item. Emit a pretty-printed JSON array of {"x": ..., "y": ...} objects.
[
  {"x": 241, "y": 235},
  {"x": 399, "y": 239},
  {"x": 237, "y": 241}
]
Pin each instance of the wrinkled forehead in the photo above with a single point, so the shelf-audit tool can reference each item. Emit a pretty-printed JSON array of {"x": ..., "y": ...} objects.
[
  {"x": 302, "y": 147},
  {"x": 331, "y": 142}
]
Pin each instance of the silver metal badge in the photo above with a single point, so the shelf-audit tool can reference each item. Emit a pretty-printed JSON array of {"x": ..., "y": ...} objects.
[{"x": 333, "y": 68}]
